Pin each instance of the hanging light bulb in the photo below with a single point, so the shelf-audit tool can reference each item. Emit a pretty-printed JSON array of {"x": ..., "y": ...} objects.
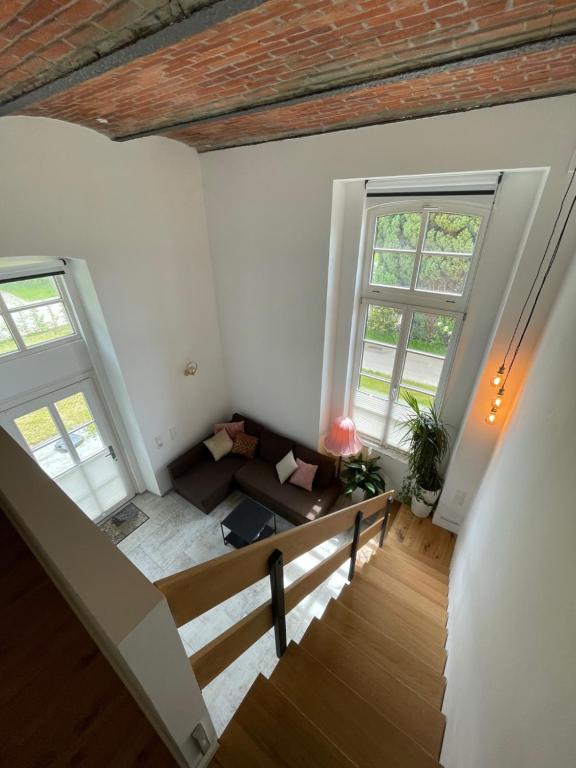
[
  {"x": 497, "y": 402},
  {"x": 491, "y": 418},
  {"x": 495, "y": 381}
]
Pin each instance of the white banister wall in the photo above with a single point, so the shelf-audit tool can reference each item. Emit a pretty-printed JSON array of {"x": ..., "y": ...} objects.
[
  {"x": 511, "y": 694},
  {"x": 126, "y": 615}
]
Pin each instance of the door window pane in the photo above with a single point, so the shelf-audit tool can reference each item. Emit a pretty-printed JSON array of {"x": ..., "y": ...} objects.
[
  {"x": 7, "y": 343},
  {"x": 37, "y": 427},
  {"x": 383, "y": 324},
  {"x": 41, "y": 324},
  {"x": 398, "y": 231},
  {"x": 21, "y": 293},
  {"x": 74, "y": 411},
  {"x": 44, "y": 439},
  {"x": 392, "y": 268},
  {"x": 80, "y": 425},
  {"x": 87, "y": 441},
  {"x": 443, "y": 274},
  {"x": 451, "y": 233},
  {"x": 431, "y": 333},
  {"x": 422, "y": 371}
]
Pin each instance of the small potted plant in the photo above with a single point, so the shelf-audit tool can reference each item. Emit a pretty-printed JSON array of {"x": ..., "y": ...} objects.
[
  {"x": 427, "y": 439},
  {"x": 362, "y": 477}
]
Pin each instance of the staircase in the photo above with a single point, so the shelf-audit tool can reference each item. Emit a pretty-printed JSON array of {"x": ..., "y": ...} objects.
[{"x": 364, "y": 686}]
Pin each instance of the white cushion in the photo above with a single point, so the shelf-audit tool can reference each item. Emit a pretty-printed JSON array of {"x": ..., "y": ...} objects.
[
  {"x": 220, "y": 445},
  {"x": 286, "y": 467}
]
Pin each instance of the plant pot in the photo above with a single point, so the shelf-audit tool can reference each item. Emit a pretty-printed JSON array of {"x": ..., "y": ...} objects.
[
  {"x": 356, "y": 496},
  {"x": 424, "y": 507}
]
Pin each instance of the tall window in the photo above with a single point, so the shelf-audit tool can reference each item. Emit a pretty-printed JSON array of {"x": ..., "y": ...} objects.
[
  {"x": 33, "y": 312},
  {"x": 419, "y": 265}
]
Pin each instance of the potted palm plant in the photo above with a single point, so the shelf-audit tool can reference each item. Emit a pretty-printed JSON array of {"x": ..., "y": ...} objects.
[
  {"x": 428, "y": 440},
  {"x": 362, "y": 477}
]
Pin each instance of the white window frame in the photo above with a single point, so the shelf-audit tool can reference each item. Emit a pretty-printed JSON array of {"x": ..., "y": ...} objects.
[
  {"x": 6, "y": 313},
  {"x": 411, "y": 300}
]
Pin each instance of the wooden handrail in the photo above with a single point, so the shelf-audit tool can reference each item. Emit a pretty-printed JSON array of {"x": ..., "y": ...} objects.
[
  {"x": 214, "y": 657},
  {"x": 192, "y": 592}
]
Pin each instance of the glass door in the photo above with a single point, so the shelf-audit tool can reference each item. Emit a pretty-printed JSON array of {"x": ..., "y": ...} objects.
[{"x": 69, "y": 435}]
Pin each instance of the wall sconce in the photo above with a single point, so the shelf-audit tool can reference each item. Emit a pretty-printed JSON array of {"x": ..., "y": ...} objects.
[{"x": 191, "y": 368}]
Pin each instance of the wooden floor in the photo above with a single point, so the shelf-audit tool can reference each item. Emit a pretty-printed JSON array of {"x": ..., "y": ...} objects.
[
  {"x": 364, "y": 686},
  {"x": 61, "y": 703}
]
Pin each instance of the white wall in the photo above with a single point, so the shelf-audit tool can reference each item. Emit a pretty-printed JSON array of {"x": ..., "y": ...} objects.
[
  {"x": 134, "y": 212},
  {"x": 269, "y": 215},
  {"x": 511, "y": 695}
]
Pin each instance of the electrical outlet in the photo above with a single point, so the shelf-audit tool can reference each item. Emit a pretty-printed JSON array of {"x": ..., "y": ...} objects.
[{"x": 159, "y": 442}]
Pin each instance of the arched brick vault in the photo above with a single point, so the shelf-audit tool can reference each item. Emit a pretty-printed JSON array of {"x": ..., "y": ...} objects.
[{"x": 216, "y": 73}]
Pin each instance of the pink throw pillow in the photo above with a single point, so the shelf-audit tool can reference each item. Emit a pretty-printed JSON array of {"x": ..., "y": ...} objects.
[
  {"x": 304, "y": 475},
  {"x": 232, "y": 427}
]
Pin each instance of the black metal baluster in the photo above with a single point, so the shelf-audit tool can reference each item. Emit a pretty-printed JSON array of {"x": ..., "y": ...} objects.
[
  {"x": 385, "y": 521},
  {"x": 276, "y": 569},
  {"x": 354, "y": 550}
]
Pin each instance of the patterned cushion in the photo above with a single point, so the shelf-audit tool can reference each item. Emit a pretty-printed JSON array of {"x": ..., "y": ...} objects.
[
  {"x": 245, "y": 445},
  {"x": 304, "y": 475},
  {"x": 231, "y": 427}
]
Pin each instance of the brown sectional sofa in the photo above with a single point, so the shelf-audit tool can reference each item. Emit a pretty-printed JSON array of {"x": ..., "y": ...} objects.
[{"x": 205, "y": 482}]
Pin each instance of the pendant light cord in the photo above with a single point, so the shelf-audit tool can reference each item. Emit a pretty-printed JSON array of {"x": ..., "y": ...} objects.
[
  {"x": 542, "y": 260},
  {"x": 544, "y": 278}
]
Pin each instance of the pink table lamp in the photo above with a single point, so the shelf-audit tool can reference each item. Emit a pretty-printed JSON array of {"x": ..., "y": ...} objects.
[{"x": 343, "y": 440}]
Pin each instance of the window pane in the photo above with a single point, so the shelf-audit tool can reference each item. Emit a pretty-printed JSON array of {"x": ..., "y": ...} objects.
[
  {"x": 42, "y": 324},
  {"x": 87, "y": 441},
  {"x": 378, "y": 361},
  {"x": 74, "y": 411},
  {"x": 392, "y": 268},
  {"x": 423, "y": 399},
  {"x": 37, "y": 427},
  {"x": 451, "y": 233},
  {"x": 421, "y": 371},
  {"x": 398, "y": 231},
  {"x": 431, "y": 333},
  {"x": 374, "y": 386},
  {"x": 7, "y": 343},
  {"x": 443, "y": 274},
  {"x": 383, "y": 324},
  {"x": 23, "y": 292}
]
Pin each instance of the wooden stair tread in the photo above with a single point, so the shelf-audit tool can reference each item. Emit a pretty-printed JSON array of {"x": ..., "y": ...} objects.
[
  {"x": 384, "y": 650},
  {"x": 422, "y": 625},
  {"x": 347, "y": 719},
  {"x": 405, "y": 572},
  {"x": 406, "y": 594},
  {"x": 428, "y": 564},
  {"x": 269, "y": 730},
  {"x": 392, "y": 698},
  {"x": 421, "y": 644}
]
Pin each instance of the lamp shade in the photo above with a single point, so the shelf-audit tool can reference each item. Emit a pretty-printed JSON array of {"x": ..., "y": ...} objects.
[{"x": 343, "y": 440}]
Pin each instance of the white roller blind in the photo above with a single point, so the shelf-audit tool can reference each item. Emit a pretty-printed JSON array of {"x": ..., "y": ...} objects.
[{"x": 483, "y": 183}]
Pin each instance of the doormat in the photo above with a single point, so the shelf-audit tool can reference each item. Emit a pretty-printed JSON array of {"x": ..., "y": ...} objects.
[{"x": 123, "y": 523}]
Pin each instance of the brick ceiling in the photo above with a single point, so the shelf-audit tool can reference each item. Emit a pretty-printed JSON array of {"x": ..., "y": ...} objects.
[{"x": 218, "y": 73}]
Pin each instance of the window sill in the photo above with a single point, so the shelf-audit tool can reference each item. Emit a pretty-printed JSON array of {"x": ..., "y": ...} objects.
[{"x": 392, "y": 453}]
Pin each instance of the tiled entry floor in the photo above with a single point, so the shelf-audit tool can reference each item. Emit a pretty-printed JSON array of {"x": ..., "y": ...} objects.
[{"x": 177, "y": 536}]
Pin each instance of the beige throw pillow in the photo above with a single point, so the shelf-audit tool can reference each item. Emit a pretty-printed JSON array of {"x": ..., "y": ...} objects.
[
  {"x": 220, "y": 445},
  {"x": 286, "y": 467}
]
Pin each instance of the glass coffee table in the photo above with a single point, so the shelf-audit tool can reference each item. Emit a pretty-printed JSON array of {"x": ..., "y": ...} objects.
[{"x": 247, "y": 523}]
